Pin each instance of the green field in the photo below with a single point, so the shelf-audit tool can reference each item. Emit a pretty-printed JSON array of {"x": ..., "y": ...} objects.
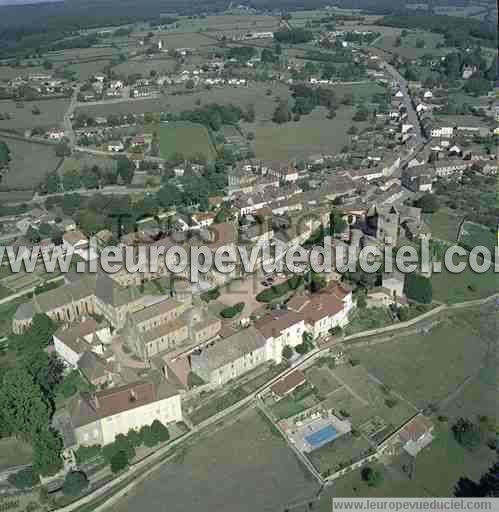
[
  {"x": 464, "y": 286},
  {"x": 242, "y": 96},
  {"x": 243, "y": 466},
  {"x": 408, "y": 47},
  {"x": 474, "y": 235},
  {"x": 369, "y": 318},
  {"x": 428, "y": 368},
  {"x": 79, "y": 161},
  {"x": 340, "y": 451},
  {"x": 313, "y": 134},
  {"x": 463, "y": 120},
  {"x": 444, "y": 224},
  {"x": 22, "y": 118},
  {"x": 186, "y": 138},
  {"x": 13, "y": 453},
  {"x": 29, "y": 165},
  {"x": 86, "y": 70},
  {"x": 144, "y": 67},
  {"x": 11, "y": 72}
]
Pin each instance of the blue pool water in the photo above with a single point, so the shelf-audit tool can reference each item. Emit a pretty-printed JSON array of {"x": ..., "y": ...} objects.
[{"x": 323, "y": 435}]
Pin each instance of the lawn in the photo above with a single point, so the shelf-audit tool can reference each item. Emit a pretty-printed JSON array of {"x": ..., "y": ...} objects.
[
  {"x": 444, "y": 224},
  {"x": 322, "y": 380},
  {"x": 22, "y": 118},
  {"x": 244, "y": 466},
  {"x": 29, "y": 165},
  {"x": 428, "y": 368},
  {"x": 186, "y": 138},
  {"x": 342, "y": 451},
  {"x": 14, "y": 453},
  {"x": 296, "y": 402}
]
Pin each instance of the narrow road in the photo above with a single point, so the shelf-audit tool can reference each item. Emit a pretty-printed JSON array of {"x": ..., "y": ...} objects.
[
  {"x": 411, "y": 112},
  {"x": 68, "y": 125}
]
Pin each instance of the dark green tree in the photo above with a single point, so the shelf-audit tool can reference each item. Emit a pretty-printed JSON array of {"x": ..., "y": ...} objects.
[{"x": 74, "y": 483}]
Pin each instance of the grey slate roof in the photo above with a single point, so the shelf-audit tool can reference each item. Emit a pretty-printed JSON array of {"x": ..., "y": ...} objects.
[{"x": 230, "y": 349}]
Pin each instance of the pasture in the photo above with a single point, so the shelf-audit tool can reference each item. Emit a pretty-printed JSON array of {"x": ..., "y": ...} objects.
[
  {"x": 79, "y": 161},
  {"x": 408, "y": 48},
  {"x": 256, "y": 95},
  {"x": 474, "y": 235},
  {"x": 186, "y": 138},
  {"x": 86, "y": 69},
  {"x": 444, "y": 224},
  {"x": 243, "y": 466},
  {"x": 162, "y": 66},
  {"x": 29, "y": 165},
  {"x": 428, "y": 368},
  {"x": 464, "y": 286},
  {"x": 10, "y": 72},
  {"x": 22, "y": 117},
  {"x": 313, "y": 134}
]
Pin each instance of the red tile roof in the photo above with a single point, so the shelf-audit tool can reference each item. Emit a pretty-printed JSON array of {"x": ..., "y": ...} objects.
[
  {"x": 289, "y": 383},
  {"x": 416, "y": 428}
]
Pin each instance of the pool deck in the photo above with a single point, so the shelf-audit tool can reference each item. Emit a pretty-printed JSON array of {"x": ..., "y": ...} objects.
[{"x": 300, "y": 431}]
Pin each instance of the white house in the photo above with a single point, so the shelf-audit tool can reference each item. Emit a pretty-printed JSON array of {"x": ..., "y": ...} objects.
[
  {"x": 74, "y": 240},
  {"x": 428, "y": 95},
  {"x": 115, "y": 146},
  {"x": 55, "y": 134},
  {"x": 325, "y": 310},
  {"x": 280, "y": 328},
  {"x": 443, "y": 132},
  {"x": 98, "y": 418},
  {"x": 399, "y": 94}
]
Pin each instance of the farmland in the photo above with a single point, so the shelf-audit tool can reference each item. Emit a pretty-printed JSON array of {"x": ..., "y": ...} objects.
[
  {"x": 144, "y": 67},
  {"x": 30, "y": 163},
  {"x": 408, "y": 47},
  {"x": 80, "y": 161},
  {"x": 243, "y": 451},
  {"x": 186, "y": 138},
  {"x": 313, "y": 134},
  {"x": 241, "y": 96},
  {"x": 22, "y": 116}
]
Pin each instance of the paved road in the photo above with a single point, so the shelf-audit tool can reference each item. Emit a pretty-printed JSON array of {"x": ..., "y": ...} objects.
[{"x": 411, "y": 112}]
